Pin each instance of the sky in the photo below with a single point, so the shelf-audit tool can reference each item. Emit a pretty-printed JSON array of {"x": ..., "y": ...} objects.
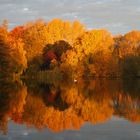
[{"x": 118, "y": 16}]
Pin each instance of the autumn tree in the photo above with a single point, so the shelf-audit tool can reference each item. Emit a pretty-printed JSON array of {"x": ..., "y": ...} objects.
[
  {"x": 92, "y": 49},
  {"x": 63, "y": 30},
  {"x": 128, "y": 50},
  {"x": 70, "y": 49},
  {"x": 5, "y": 54},
  {"x": 13, "y": 59},
  {"x": 18, "y": 54},
  {"x": 52, "y": 53},
  {"x": 34, "y": 38}
]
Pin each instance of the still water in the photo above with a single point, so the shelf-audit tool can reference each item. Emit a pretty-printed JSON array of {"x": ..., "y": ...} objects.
[{"x": 94, "y": 109}]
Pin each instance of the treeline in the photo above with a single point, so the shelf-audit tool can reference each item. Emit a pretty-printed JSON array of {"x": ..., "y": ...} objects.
[{"x": 67, "y": 48}]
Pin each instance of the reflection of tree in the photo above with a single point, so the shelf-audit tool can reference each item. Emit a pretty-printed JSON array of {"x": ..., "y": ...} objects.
[
  {"x": 41, "y": 115},
  {"x": 128, "y": 107},
  {"x": 67, "y": 106},
  {"x": 42, "y": 112},
  {"x": 87, "y": 105},
  {"x": 34, "y": 111},
  {"x": 12, "y": 100}
]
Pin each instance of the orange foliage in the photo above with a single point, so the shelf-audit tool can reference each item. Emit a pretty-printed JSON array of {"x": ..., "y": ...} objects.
[
  {"x": 63, "y": 30},
  {"x": 34, "y": 38},
  {"x": 96, "y": 43},
  {"x": 129, "y": 44},
  {"x": 79, "y": 52}
]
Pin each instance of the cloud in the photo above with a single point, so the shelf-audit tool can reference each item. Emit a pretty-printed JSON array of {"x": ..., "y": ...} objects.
[
  {"x": 117, "y": 15},
  {"x": 25, "y": 9}
]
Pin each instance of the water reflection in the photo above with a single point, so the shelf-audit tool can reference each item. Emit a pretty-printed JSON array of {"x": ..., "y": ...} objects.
[{"x": 61, "y": 106}]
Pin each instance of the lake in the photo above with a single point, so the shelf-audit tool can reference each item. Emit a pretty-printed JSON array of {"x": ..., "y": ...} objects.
[{"x": 95, "y": 109}]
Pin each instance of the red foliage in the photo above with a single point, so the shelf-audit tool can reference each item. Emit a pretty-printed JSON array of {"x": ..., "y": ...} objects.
[
  {"x": 17, "y": 31},
  {"x": 50, "y": 55}
]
